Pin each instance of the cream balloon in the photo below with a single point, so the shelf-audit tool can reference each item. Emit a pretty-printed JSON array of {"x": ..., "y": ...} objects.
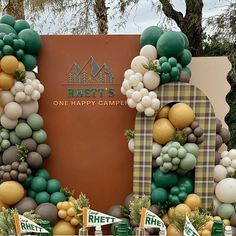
[
  {"x": 8, "y": 123},
  {"x": 137, "y": 64},
  {"x": 220, "y": 173},
  {"x": 5, "y": 97},
  {"x": 216, "y": 204},
  {"x": 149, "y": 51},
  {"x": 225, "y": 190},
  {"x": 13, "y": 110},
  {"x": 29, "y": 108},
  {"x": 151, "y": 80}
]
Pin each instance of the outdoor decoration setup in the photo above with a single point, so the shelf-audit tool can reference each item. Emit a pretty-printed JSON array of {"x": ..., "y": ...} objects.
[{"x": 181, "y": 181}]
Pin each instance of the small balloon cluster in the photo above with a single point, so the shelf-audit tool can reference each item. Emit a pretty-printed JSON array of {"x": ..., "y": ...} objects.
[{"x": 163, "y": 58}]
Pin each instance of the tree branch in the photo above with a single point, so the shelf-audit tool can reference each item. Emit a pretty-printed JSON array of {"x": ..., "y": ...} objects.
[{"x": 171, "y": 13}]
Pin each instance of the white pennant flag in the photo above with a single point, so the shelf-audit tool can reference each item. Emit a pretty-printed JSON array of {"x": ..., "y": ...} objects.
[
  {"x": 93, "y": 218},
  {"x": 25, "y": 225},
  {"x": 189, "y": 230},
  {"x": 151, "y": 220}
]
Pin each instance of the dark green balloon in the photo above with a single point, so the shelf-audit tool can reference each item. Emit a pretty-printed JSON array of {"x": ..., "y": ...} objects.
[
  {"x": 21, "y": 25},
  {"x": 57, "y": 197},
  {"x": 43, "y": 173},
  {"x": 170, "y": 44},
  {"x": 7, "y": 29},
  {"x": 42, "y": 197},
  {"x": 2, "y": 35},
  {"x": 31, "y": 193},
  {"x": 7, "y": 39},
  {"x": 179, "y": 66},
  {"x": 27, "y": 182},
  {"x": 159, "y": 195},
  {"x": 165, "y": 180},
  {"x": 53, "y": 186},
  {"x": 29, "y": 61},
  {"x": 187, "y": 183},
  {"x": 165, "y": 78},
  {"x": 32, "y": 40},
  {"x": 186, "y": 42},
  {"x": 1, "y": 54},
  {"x": 185, "y": 57},
  {"x": 187, "y": 69},
  {"x": 21, "y": 43},
  {"x": 166, "y": 67},
  {"x": 175, "y": 200},
  {"x": 19, "y": 54},
  {"x": 1, "y": 44},
  {"x": 172, "y": 61},
  {"x": 174, "y": 72},
  {"x": 162, "y": 60},
  {"x": 150, "y": 36},
  {"x": 182, "y": 196},
  {"x": 8, "y": 19},
  {"x": 38, "y": 184},
  {"x": 174, "y": 190},
  {"x": 8, "y": 50}
]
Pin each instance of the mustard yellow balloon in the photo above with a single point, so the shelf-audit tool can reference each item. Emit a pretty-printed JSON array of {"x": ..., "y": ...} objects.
[
  {"x": 163, "y": 131},
  {"x": 11, "y": 192},
  {"x": 63, "y": 228},
  {"x": 181, "y": 115},
  {"x": 172, "y": 231},
  {"x": 163, "y": 113},
  {"x": 9, "y": 64},
  {"x": 6, "y": 81}
]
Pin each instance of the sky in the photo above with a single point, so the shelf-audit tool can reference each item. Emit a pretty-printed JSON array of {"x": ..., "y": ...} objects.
[{"x": 140, "y": 17}]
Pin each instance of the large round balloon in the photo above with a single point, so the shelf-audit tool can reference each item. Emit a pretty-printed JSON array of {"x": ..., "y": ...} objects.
[
  {"x": 150, "y": 36},
  {"x": 185, "y": 57},
  {"x": 170, "y": 44},
  {"x": 165, "y": 180},
  {"x": 159, "y": 195}
]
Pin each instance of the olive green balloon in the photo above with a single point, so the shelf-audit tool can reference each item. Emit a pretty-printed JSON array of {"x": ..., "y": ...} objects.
[
  {"x": 32, "y": 40},
  {"x": 150, "y": 36},
  {"x": 23, "y": 131},
  {"x": 39, "y": 136},
  {"x": 21, "y": 25},
  {"x": 185, "y": 58},
  {"x": 29, "y": 61},
  {"x": 35, "y": 121},
  {"x": 170, "y": 44}
]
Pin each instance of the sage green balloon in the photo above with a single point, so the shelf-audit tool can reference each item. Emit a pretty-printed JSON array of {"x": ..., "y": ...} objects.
[
  {"x": 188, "y": 163},
  {"x": 150, "y": 36},
  {"x": 35, "y": 121},
  {"x": 14, "y": 139},
  {"x": 170, "y": 44},
  {"x": 40, "y": 136},
  {"x": 23, "y": 131},
  {"x": 225, "y": 211},
  {"x": 192, "y": 148}
]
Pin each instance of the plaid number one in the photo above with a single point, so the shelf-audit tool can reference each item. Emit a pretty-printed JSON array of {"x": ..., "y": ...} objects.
[{"x": 204, "y": 171}]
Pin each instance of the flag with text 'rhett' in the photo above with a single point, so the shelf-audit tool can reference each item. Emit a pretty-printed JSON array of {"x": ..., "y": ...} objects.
[
  {"x": 25, "y": 225},
  {"x": 150, "y": 220},
  {"x": 93, "y": 218},
  {"x": 189, "y": 230}
]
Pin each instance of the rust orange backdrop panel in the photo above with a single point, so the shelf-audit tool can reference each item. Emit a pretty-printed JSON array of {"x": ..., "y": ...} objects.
[{"x": 90, "y": 152}]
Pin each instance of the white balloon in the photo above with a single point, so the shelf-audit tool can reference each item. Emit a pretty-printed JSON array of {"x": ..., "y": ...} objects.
[
  {"x": 232, "y": 154},
  {"x": 149, "y": 111},
  {"x": 151, "y": 80},
  {"x": 137, "y": 64},
  {"x": 139, "y": 86},
  {"x": 8, "y": 123},
  {"x": 224, "y": 153},
  {"x": 123, "y": 90},
  {"x": 156, "y": 149},
  {"x": 128, "y": 73},
  {"x": 40, "y": 88},
  {"x": 140, "y": 107},
  {"x": 139, "y": 76},
  {"x": 35, "y": 95},
  {"x": 35, "y": 85},
  {"x": 230, "y": 169},
  {"x": 5, "y": 98},
  {"x": 137, "y": 96},
  {"x": 233, "y": 164},
  {"x": 133, "y": 80},
  {"x": 152, "y": 94},
  {"x": 220, "y": 173},
  {"x": 155, "y": 103},
  {"x": 30, "y": 75},
  {"x": 225, "y": 161},
  {"x": 144, "y": 91},
  {"x": 20, "y": 97},
  {"x": 149, "y": 51},
  {"x": 131, "y": 145},
  {"x": 129, "y": 93},
  {"x": 131, "y": 103},
  {"x": 13, "y": 90},
  {"x": 27, "y": 99},
  {"x": 126, "y": 84},
  {"x": 13, "y": 110},
  {"x": 19, "y": 86},
  {"x": 146, "y": 101},
  {"x": 28, "y": 89},
  {"x": 225, "y": 190}
]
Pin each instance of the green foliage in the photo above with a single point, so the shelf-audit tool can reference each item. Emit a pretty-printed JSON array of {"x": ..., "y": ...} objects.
[
  {"x": 136, "y": 205},
  {"x": 129, "y": 134},
  {"x": 22, "y": 152}
]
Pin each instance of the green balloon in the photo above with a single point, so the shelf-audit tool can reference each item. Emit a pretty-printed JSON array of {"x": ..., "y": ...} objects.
[
  {"x": 21, "y": 25},
  {"x": 27, "y": 182},
  {"x": 19, "y": 54},
  {"x": 21, "y": 43},
  {"x": 162, "y": 60},
  {"x": 165, "y": 180},
  {"x": 1, "y": 44},
  {"x": 42, "y": 197},
  {"x": 174, "y": 190},
  {"x": 42, "y": 173},
  {"x": 53, "y": 186},
  {"x": 172, "y": 61},
  {"x": 179, "y": 66},
  {"x": 150, "y": 36},
  {"x": 225, "y": 210},
  {"x": 8, "y": 19},
  {"x": 57, "y": 197},
  {"x": 159, "y": 195},
  {"x": 187, "y": 69},
  {"x": 192, "y": 148},
  {"x": 5, "y": 144},
  {"x": 165, "y": 78},
  {"x": 175, "y": 200},
  {"x": 166, "y": 67},
  {"x": 32, "y": 40},
  {"x": 182, "y": 196},
  {"x": 7, "y": 29},
  {"x": 29, "y": 61},
  {"x": 23, "y": 131},
  {"x": 186, "y": 42},
  {"x": 187, "y": 183},
  {"x": 38, "y": 184},
  {"x": 170, "y": 44},
  {"x": 7, "y": 39},
  {"x": 35, "y": 121},
  {"x": 8, "y": 50},
  {"x": 39, "y": 136},
  {"x": 174, "y": 72},
  {"x": 185, "y": 57},
  {"x": 188, "y": 163},
  {"x": 153, "y": 185},
  {"x": 181, "y": 171},
  {"x": 31, "y": 193}
]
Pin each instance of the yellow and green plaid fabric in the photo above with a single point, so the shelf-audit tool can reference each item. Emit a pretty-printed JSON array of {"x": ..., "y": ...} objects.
[{"x": 204, "y": 171}]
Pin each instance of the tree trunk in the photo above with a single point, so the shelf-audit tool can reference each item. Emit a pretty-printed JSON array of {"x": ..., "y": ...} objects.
[
  {"x": 100, "y": 10},
  {"x": 16, "y": 8},
  {"x": 190, "y": 24}
]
